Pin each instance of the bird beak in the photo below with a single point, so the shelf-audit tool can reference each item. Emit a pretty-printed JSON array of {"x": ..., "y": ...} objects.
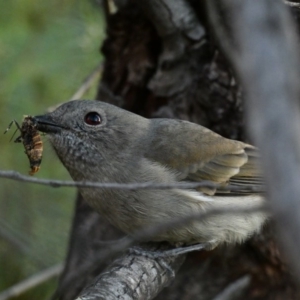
[{"x": 46, "y": 124}]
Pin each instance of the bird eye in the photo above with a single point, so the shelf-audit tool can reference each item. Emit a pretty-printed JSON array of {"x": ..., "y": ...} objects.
[{"x": 92, "y": 118}]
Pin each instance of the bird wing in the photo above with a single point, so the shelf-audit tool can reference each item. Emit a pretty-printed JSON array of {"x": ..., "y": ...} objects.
[{"x": 196, "y": 154}]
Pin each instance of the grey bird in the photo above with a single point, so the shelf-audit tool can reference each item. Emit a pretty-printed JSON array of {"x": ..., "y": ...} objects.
[{"x": 100, "y": 142}]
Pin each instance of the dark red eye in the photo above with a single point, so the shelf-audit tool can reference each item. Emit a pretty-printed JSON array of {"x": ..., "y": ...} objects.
[{"x": 92, "y": 118}]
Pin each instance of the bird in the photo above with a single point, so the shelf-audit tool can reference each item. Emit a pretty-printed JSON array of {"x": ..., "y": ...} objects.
[{"x": 100, "y": 142}]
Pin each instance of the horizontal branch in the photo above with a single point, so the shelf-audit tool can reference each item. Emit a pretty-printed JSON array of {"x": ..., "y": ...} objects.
[{"x": 120, "y": 186}]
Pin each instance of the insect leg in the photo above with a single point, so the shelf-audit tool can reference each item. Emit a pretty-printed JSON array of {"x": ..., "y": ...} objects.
[
  {"x": 9, "y": 126},
  {"x": 18, "y": 139},
  {"x": 17, "y": 124}
]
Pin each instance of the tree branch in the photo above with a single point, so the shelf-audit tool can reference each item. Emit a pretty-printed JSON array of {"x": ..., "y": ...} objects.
[
  {"x": 31, "y": 282},
  {"x": 121, "y": 186},
  {"x": 133, "y": 277},
  {"x": 88, "y": 82},
  {"x": 235, "y": 289}
]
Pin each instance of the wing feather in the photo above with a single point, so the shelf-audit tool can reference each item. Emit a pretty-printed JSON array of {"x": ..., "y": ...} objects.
[{"x": 205, "y": 155}]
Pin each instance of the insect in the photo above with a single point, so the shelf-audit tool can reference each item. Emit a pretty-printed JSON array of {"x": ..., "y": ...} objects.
[{"x": 31, "y": 140}]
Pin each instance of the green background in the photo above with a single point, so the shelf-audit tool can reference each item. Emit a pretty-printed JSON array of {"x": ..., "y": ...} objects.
[{"x": 46, "y": 49}]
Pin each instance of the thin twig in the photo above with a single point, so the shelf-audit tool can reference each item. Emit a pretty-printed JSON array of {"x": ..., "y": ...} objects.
[
  {"x": 120, "y": 186},
  {"x": 14, "y": 237},
  {"x": 85, "y": 86},
  {"x": 235, "y": 289},
  {"x": 219, "y": 31},
  {"x": 31, "y": 282},
  {"x": 87, "y": 83}
]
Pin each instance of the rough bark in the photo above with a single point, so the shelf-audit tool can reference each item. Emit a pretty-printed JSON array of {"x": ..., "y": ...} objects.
[
  {"x": 175, "y": 70},
  {"x": 133, "y": 277}
]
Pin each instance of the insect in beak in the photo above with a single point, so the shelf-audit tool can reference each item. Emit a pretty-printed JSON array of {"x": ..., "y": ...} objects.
[{"x": 31, "y": 140}]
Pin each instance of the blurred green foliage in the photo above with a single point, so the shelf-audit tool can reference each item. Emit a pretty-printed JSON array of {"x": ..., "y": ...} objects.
[{"x": 46, "y": 50}]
